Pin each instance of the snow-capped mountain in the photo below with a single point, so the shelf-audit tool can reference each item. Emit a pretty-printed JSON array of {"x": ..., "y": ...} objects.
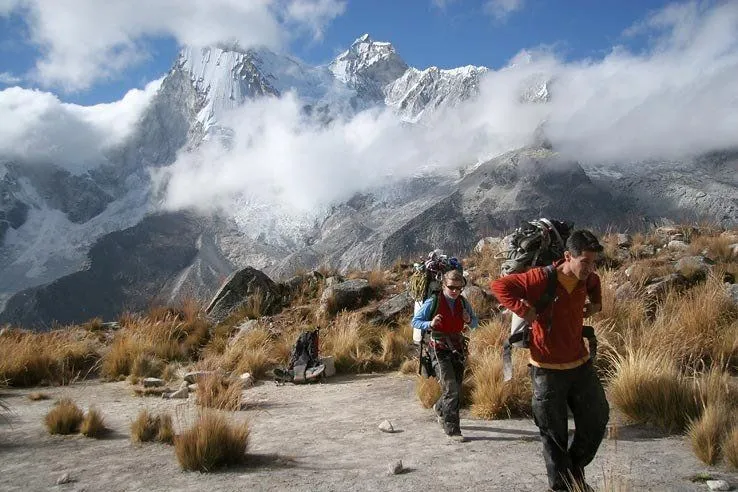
[{"x": 94, "y": 244}]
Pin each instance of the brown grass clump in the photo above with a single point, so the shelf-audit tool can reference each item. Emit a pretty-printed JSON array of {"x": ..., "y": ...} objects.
[
  {"x": 29, "y": 359},
  {"x": 38, "y": 396},
  {"x": 428, "y": 391},
  {"x": 64, "y": 418},
  {"x": 706, "y": 433},
  {"x": 351, "y": 342},
  {"x": 691, "y": 326},
  {"x": 649, "y": 388},
  {"x": 717, "y": 247},
  {"x": 149, "y": 427},
  {"x": 410, "y": 366},
  {"x": 493, "y": 398},
  {"x": 256, "y": 352},
  {"x": 166, "y": 334},
  {"x": 147, "y": 366},
  {"x": 730, "y": 448},
  {"x": 395, "y": 347},
  {"x": 216, "y": 391},
  {"x": 93, "y": 424},
  {"x": 377, "y": 280},
  {"x": 211, "y": 443}
]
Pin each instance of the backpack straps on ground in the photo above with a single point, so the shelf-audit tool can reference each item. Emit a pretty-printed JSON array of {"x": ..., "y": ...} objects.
[{"x": 523, "y": 334}]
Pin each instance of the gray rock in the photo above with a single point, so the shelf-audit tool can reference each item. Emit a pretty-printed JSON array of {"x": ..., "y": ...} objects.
[
  {"x": 152, "y": 382},
  {"x": 625, "y": 291},
  {"x": 659, "y": 285},
  {"x": 239, "y": 288},
  {"x": 65, "y": 478},
  {"x": 389, "y": 310},
  {"x": 395, "y": 468},
  {"x": 247, "y": 380},
  {"x": 693, "y": 266},
  {"x": 732, "y": 290},
  {"x": 488, "y": 242},
  {"x": 192, "y": 377},
  {"x": 182, "y": 393},
  {"x": 625, "y": 240},
  {"x": 351, "y": 294},
  {"x": 717, "y": 485},
  {"x": 386, "y": 426},
  {"x": 192, "y": 387},
  {"x": 243, "y": 329},
  {"x": 677, "y": 245}
]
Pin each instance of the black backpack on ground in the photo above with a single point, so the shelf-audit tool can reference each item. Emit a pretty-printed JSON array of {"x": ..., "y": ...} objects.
[{"x": 304, "y": 365}]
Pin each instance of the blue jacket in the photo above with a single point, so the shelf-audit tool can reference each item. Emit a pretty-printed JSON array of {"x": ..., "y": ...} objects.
[{"x": 422, "y": 319}]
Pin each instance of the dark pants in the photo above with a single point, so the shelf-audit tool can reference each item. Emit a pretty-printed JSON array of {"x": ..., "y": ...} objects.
[
  {"x": 579, "y": 389},
  {"x": 449, "y": 367}
]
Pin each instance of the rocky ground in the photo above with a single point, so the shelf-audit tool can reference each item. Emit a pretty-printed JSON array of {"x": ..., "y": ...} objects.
[{"x": 322, "y": 437}]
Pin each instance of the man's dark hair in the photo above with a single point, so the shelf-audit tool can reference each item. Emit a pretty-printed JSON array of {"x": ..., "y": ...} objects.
[{"x": 582, "y": 240}]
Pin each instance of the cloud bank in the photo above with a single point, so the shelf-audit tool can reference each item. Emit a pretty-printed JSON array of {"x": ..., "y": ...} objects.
[
  {"x": 675, "y": 100},
  {"x": 83, "y": 41}
]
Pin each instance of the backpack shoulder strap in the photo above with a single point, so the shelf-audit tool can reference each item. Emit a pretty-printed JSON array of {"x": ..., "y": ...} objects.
[
  {"x": 550, "y": 293},
  {"x": 434, "y": 305}
]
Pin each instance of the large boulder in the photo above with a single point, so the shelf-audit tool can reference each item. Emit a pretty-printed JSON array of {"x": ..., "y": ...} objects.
[
  {"x": 351, "y": 294},
  {"x": 242, "y": 287},
  {"x": 694, "y": 267},
  {"x": 388, "y": 311}
]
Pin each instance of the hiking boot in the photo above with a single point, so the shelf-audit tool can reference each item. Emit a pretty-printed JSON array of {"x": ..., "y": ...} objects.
[{"x": 456, "y": 437}]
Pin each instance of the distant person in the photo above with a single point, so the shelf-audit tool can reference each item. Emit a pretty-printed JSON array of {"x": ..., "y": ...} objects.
[
  {"x": 443, "y": 317},
  {"x": 560, "y": 366}
]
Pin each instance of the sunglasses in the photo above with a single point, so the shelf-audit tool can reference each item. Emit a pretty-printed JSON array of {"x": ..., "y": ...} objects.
[{"x": 455, "y": 288}]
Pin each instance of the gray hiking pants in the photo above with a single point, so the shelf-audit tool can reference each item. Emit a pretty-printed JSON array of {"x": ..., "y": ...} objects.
[
  {"x": 579, "y": 389},
  {"x": 449, "y": 367}
]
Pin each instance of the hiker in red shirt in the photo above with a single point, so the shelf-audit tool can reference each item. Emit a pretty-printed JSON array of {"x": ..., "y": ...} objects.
[{"x": 560, "y": 366}]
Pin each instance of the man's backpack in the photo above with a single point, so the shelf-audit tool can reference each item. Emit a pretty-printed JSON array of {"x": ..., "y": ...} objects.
[
  {"x": 535, "y": 243},
  {"x": 304, "y": 365}
]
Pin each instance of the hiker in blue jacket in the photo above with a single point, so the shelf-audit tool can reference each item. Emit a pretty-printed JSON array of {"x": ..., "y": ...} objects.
[{"x": 443, "y": 316}]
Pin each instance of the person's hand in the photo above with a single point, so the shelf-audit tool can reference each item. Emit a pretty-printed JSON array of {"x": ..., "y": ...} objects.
[
  {"x": 467, "y": 317},
  {"x": 436, "y": 321},
  {"x": 530, "y": 315}
]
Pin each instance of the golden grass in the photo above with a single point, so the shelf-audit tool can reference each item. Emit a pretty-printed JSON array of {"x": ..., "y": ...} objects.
[
  {"x": 352, "y": 342},
  {"x": 730, "y": 448},
  {"x": 164, "y": 335},
  {"x": 427, "y": 390},
  {"x": 377, "y": 280},
  {"x": 211, "y": 443},
  {"x": 59, "y": 357},
  {"x": 256, "y": 352},
  {"x": 149, "y": 427},
  {"x": 216, "y": 391},
  {"x": 410, "y": 366},
  {"x": 706, "y": 432},
  {"x": 649, "y": 388},
  {"x": 147, "y": 365},
  {"x": 480, "y": 303},
  {"x": 717, "y": 247},
  {"x": 691, "y": 326},
  {"x": 64, "y": 418},
  {"x": 93, "y": 424}
]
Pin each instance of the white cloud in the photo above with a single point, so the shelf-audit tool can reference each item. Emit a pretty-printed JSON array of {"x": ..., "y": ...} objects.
[
  {"x": 676, "y": 100},
  {"x": 502, "y": 9},
  {"x": 8, "y": 78},
  {"x": 87, "y": 40},
  {"x": 36, "y": 126}
]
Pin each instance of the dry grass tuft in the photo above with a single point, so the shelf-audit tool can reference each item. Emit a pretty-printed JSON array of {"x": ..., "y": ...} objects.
[
  {"x": 38, "y": 396},
  {"x": 428, "y": 391},
  {"x": 706, "y": 433},
  {"x": 256, "y": 352},
  {"x": 147, "y": 366},
  {"x": 30, "y": 359},
  {"x": 730, "y": 448},
  {"x": 93, "y": 424},
  {"x": 395, "y": 347},
  {"x": 216, "y": 391},
  {"x": 352, "y": 343},
  {"x": 649, "y": 388},
  {"x": 149, "y": 427},
  {"x": 377, "y": 280},
  {"x": 64, "y": 418},
  {"x": 493, "y": 398},
  {"x": 410, "y": 366},
  {"x": 211, "y": 443}
]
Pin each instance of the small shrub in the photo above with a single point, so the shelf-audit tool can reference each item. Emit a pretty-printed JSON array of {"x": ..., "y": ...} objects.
[
  {"x": 493, "y": 398},
  {"x": 211, "y": 443},
  {"x": 93, "y": 424},
  {"x": 146, "y": 366},
  {"x": 706, "y": 433},
  {"x": 351, "y": 342},
  {"x": 377, "y": 280},
  {"x": 649, "y": 388},
  {"x": 395, "y": 346},
  {"x": 428, "y": 391},
  {"x": 730, "y": 448},
  {"x": 410, "y": 366},
  {"x": 216, "y": 391},
  {"x": 149, "y": 427},
  {"x": 64, "y": 418}
]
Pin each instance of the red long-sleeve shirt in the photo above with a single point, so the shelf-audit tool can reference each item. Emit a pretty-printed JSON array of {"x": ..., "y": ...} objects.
[{"x": 562, "y": 347}]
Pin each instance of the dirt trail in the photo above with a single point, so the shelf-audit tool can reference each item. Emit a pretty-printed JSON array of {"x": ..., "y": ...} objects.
[{"x": 320, "y": 437}]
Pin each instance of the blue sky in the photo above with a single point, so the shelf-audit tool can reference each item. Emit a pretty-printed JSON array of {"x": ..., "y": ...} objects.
[{"x": 444, "y": 33}]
